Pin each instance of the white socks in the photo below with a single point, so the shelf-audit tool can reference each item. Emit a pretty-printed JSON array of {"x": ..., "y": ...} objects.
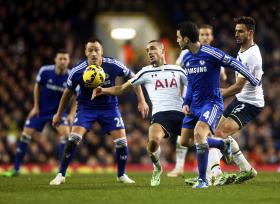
[
  {"x": 181, "y": 152},
  {"x": 213, "y": 168},
  {"x": 239, "y": 158}
]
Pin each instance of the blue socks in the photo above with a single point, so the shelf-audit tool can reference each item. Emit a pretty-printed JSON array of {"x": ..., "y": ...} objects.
[
  {"x": 216, "y": 143},
  {"x": 61, "y": 148},
  {"x": 69, "y": 152},
  {"x": 21, "y": 150},
  {"x": 202, "y": 151},
  {"x": 121, "y": 155}
]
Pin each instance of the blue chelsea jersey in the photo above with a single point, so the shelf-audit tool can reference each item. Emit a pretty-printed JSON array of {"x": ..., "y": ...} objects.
[
  {"x": 112, "y": 68},
  {"x": 51, "y": 86},
  {"x": 203, "y": 74}
]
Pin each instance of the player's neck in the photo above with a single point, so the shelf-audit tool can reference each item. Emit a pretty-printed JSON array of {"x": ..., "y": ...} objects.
[
  {"x": 158, "y": 64},
  {"x": 59, "y": 71},
  {"x": 246, "y": 45},
  {"x": 194, "y": 47}
]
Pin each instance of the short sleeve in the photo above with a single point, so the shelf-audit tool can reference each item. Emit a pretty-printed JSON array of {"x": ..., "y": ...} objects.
[{"x": 138, "y": 79}]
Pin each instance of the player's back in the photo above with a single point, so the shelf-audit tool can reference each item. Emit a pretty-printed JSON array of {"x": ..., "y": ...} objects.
[
  {"x": 203, "y": 71},
  {"x": 112, "y": 68},
  {"x": 164, "y": 86},
  {"x": 51, "y": 86},
  {"x": 253, "y": 60}
]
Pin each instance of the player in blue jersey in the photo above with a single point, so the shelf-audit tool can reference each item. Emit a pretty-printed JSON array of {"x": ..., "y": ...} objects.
[
  {"x": 203, "y": 104},
  {"x": 50, "y": 84},
  {"x": 103, "y": 109}
]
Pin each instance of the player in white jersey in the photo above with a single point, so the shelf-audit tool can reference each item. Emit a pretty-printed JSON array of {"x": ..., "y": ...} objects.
[
  {"x": 249, "y": 100},
  {"x": 164, "y": 84},
  {"x": 206, "y": 37}
]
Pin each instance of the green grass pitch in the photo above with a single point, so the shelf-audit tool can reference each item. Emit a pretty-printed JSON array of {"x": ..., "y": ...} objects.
[{"x": 103, "y": 188}]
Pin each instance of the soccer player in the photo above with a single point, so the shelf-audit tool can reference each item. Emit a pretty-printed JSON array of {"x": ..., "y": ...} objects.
[
  {"x": 203, "y": 104},
  {"x": 206, "y": 37},
  {"x": 103, "y": 109},
  {"x": 249, "y": 100},
  {"x": 164, "y": 85},
  {"x": 48, "y": 89}
]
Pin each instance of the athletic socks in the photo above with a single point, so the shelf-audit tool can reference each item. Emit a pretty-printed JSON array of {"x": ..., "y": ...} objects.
[
  {"x": 121, "y": 155},
  {"x": 21, "y": 150}
]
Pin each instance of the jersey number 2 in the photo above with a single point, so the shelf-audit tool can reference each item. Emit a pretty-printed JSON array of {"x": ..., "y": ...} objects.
[{"x": 119, "y": 122}]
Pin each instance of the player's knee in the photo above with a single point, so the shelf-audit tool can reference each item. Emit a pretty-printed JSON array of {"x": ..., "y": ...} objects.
[
  {"x": 25, "y": 138},
  {"x": 75, "y": 138},
  {"x": 120, "y": 142}
]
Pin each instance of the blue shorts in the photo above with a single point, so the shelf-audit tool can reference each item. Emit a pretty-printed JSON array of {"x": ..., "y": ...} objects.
[
  {"x": 210, "y": 113},
  {"x": 38, "y": 122},
  {"x": 109, "y": 119}
]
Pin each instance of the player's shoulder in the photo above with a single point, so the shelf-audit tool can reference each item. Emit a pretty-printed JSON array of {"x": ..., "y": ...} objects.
[
  {"x": 78, "y": 68},
  {"x": 109, "y": 61},
  {"x": 47, "y": 68},
  {"x": 212, "y": 51},
  {"x": 255, "y": 50},
  {"x": 174, "y": 67}
]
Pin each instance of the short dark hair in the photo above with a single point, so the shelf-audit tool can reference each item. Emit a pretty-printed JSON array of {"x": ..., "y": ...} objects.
[
  {"x": 62, "y": 51},
  {"x": 189, "y": 29},
  {"x": 93, "y": 40},
  {"x": 249, "y": 22}
]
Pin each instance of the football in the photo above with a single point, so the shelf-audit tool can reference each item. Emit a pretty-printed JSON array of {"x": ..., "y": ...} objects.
[{"x": 94, "y": 76}]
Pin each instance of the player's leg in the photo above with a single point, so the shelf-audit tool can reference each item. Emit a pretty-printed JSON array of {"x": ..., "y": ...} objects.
[
  {"x": 213, "y": 169},
  {"x": 175, "y": 126},
  {"x": 181, "y": 153},
  {"x": 21, "y": 150},
  {"x": 63, "y": 133},
  {"x": 156, "y": 134},
  {"x": 74, "y": 140},
  {"x": 236, "y": 116},
  {"x": 121, "y": 154},
  {"x": 201, "y": 131},
  {"x": 31, "y": 126}
]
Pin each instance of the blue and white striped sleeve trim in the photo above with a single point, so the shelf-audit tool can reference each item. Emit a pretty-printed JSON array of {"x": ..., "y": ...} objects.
[
  {"x": 73, "y": 71},
  {"x": 242, "y": 69},
  {"x": 230, "y": 62}
]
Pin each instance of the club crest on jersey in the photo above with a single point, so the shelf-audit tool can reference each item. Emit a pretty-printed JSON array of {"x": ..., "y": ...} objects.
[
  {"x": 226, "y": 59},
  {"x": 201, "y": 62},
  {"x": 187, "y": 64},
  {"x": 166, "y": 84}
]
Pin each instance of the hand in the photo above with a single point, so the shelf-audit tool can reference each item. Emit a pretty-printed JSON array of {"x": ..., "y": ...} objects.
[
  {"x": 34, "y": 112},
  {"x": 56, "y": 120},
  {"x": 186, "y": 110},
  {"x": 70, "y": 119},
  {"x": 96, "y": 92},
  {"x": 143, "y": 108}
]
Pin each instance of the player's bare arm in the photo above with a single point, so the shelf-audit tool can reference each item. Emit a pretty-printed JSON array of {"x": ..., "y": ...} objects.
[
  {"x": 235, "y": 88},
  {"x": 143, "y": 107},
  {"x": 73, "y": 108},
  {"x": 36, "y": 95},
  {"x": 67, "y": 94}
]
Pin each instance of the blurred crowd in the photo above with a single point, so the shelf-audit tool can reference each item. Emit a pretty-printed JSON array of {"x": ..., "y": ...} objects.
[{"x": 32, "y": 31}]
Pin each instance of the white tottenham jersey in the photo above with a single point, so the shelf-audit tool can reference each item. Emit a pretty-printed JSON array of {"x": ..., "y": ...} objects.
[
  {"x": 253, "y": 60},
  {"x": 163, "y": 84}
]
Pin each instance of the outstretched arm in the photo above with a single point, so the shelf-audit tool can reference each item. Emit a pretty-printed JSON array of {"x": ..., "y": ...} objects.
[
  {"x": 242, "y": 69},
  {"x": 235, "y": 88}
]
